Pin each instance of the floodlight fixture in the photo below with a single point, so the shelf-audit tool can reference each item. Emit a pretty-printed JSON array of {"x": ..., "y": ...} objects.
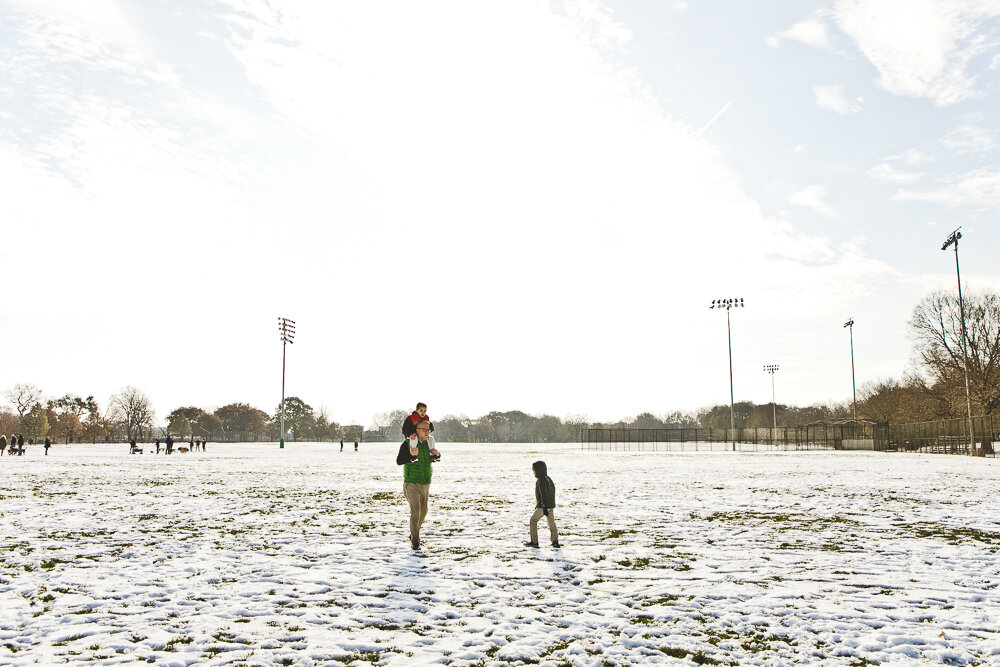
[
  {"x": 286, "y": 328},
  {"x": 772, "y": 369},
  {"x": 849, "y": 324},
  {"x": 953, "y": 240},
  {"x": 729, "y": 304}
]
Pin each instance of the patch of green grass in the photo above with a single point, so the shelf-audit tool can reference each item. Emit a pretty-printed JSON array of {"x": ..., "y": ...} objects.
[
  {"x": 635, "y": 563},
  {"x": 177, "y": 641},
  {"x": 759, "y": 643},
  {"x": 664, "y": 599},
  {"x": 366, "y": 656},
  {"x": 953, "y": 535},
  {"x": 384, "y": 495},
  {"x": 781, "y": 521},
  {"x": 598, "y": 580},
  {"x": 68, "y": 640},
  {"x": 616, "y": 534},
  {"x": 698, "y": 658},
  {"x": 561, "y": 646},
  {"x": 52, "y": 562}
]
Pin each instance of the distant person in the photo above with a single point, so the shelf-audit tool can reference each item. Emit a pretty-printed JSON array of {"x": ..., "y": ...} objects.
[
  {"x": 415, "y": 457},
  {"x": 48, "y": 443},
  {"x": 20, "y": 444},
  {"x": 341, "y": 445},
  {"x": 545, "y": 505},
  {"x": 355, "y": 445},
  {"x": 3, "y": 444},
  {"x": 157, "y": 445},
  {"x": 170, "y": 445},
  {"x": 417, "y": 416},
  {"x": 203, "y": 443}
]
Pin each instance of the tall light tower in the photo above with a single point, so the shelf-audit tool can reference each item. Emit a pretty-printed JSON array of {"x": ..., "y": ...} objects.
[
  {"x": 849, "y": 324},
  {"x": 772, "y": 369},
  {"x": 287, "y": 329},
  {"x": 953, "y": 240},
  {"x": 729, "y": 304}
]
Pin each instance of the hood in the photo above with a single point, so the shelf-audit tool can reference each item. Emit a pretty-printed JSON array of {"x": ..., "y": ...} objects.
[{"x": 539, "y": 468}]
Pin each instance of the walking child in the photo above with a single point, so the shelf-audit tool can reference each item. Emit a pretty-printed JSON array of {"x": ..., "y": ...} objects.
[{"x": 545, "y": 504}]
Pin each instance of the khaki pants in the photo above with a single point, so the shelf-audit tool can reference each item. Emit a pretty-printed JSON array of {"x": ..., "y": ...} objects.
[
  {"x": 418, "y": 496},
  {"x": 533, "y": 525}
]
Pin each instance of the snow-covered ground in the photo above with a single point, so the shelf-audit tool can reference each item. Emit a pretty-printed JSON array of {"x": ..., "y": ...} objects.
[{"x": 248, "y": 554}]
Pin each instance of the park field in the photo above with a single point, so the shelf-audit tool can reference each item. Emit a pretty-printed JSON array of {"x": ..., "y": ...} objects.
[{"x": 254, "y": 555}]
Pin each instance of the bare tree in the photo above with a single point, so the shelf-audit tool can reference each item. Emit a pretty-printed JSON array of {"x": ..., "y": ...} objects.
[
  {"x": 8, "y": 422},
  {"x": 936, "y": 329},
  {"x": 390, "y": 423},
  {"x": 23, "y": 397},
  {"x": 132, "y": 410},
  {"x": 881, "y": 401}
]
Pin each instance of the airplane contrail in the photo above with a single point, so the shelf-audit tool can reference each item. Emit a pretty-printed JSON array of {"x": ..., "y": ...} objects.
[{"x": 714, "y": 118}]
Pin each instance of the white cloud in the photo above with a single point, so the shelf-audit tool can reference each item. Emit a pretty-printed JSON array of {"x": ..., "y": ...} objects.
[
  {"x": 921, "y": 48},
  {"x": 979, "y": 188},
  {"x": 543, "y": 179},
  {"x": 812, "y": 197},
  {"x": 681, "y": 6},
  {"x": 970, "y": 139},
  {"x": 886, "y": 173},
  {"x": 914, "y": 156},
  {"x": 831, "y": 96},
  {"x": 811, "y": 32}
]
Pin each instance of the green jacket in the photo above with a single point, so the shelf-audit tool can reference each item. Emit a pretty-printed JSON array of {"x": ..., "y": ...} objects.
[{"x": 419, "y": 471}]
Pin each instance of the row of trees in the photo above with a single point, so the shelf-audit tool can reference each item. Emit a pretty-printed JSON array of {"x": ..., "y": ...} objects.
[
  {"x": 71, "y": 417},
  {"x": 934, "y": 388},
  {"x": 130, "y": 415}
]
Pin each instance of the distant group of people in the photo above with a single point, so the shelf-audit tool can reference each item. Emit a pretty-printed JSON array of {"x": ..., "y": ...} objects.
[
  {"x": 15, "y": 447},
  {"x": 418, "y": 451},
  {"x": 168, "y": 445}
]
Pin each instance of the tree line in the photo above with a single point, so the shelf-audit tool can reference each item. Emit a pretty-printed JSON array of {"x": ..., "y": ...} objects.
[{"x": 933, "y": 388}]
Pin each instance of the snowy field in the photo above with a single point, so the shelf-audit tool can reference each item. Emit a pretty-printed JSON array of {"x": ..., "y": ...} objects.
[{"x": 251, "y": 555}]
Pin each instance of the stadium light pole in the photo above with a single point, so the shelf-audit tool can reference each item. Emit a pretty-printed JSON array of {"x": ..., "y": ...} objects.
[
  {"x": 772, "y": 369},
  {"x": 729, "y": 304},
  {"x": 287, "y": 329},
  {"x": 849, "y": 324},
  {"x": 953, "y": 240}
]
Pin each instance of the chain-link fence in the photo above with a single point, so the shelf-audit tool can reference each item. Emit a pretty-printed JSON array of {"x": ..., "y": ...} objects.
[
  {"x": 840, "y": 435},
  {"x": 946, "y": 436}
]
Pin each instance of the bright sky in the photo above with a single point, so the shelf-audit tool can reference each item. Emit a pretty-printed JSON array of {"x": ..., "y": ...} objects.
[{"x": 487, "y": 206}]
